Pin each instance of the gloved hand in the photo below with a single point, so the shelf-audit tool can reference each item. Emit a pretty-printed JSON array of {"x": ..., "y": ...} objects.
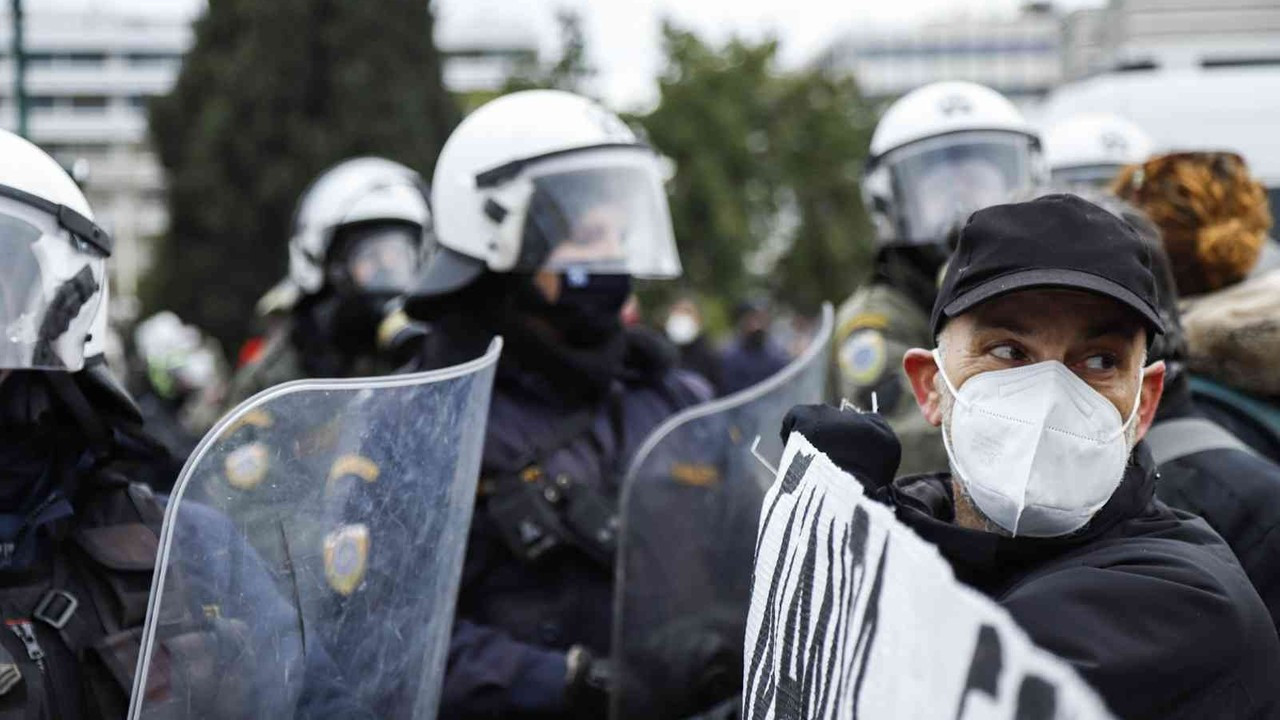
[
  {"x": 694, "y": 663},
  {"x": 861, "y": 444},
  {"x": 587, "y": 684}
]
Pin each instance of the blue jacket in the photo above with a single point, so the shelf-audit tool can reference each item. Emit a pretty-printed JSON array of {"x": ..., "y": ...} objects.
[
  {"x": 743, "y": 364},
  {"x": 516, "y": 618}
]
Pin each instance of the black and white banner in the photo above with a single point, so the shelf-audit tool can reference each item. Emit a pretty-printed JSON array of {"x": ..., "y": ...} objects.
[{"x": 854, "y": 616}]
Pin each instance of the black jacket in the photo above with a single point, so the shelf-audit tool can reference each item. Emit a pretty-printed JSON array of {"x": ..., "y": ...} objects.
[
  {"x": 1236, "y": 492},
  {"x": 1148, "y": 603}
]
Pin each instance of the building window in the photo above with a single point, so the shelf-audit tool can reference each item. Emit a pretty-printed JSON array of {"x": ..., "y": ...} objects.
[
  {"x": 89, "y": 103},
  {"x": 41, "y": 102},
  {"x": 40, "y": 58},
  {"x": 153, "y": 59},
  {"x": 139, "y": 102}
]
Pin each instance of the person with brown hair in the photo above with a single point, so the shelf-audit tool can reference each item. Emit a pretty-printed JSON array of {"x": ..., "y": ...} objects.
[{"x": 1214, "y": 217}]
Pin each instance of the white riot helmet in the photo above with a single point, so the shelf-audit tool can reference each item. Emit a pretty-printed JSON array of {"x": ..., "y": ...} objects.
[
  {"x": 1089, "y": 149},
  {"x": 380, "y": 208},
  {"x": 177, "y": 357},
  {"x": 941, "y": 152},
  {"x": 52, "y": 263},
  {"x": 547, "y": 180}
]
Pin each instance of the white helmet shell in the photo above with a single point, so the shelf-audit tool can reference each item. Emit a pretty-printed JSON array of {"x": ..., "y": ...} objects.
[
  {"x": 942, "y": 108},
  {"x": 942, "y": 151},
  {"x": 359, "y": 190},
  {"x": 1095, "y": 140},
  {"x": 490, "y": 166},
  {"x": 53, "y": 275}
]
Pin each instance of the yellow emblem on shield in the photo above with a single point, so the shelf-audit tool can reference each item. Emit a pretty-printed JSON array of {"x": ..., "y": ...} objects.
[
  {"x": 346, "y": 553},
  {"x": 246, "y": 466}
]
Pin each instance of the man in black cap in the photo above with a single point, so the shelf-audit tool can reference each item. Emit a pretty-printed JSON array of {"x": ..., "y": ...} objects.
[{"x": 1040, "y": 384}]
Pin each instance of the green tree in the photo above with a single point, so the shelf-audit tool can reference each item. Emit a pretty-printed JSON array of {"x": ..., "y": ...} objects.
[
  {"x": 766, "y": 193},
  {"x": 271, "y": 94}
]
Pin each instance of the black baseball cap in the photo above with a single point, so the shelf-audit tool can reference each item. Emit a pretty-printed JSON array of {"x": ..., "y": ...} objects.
[{"x": 1055, "y": 241}]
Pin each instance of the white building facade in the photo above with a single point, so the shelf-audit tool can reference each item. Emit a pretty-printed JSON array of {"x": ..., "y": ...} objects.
[
  {"x": 90, "y": 74},
  {"x": 89, "y": 77},
  {"x": 1018, "y": 56}
]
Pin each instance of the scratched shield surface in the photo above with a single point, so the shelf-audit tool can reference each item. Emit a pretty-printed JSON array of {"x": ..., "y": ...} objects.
[
  {"x": 689, "y": 513},
  {"x": 311, "y": 552},
  {"x": 854, "y": 616}
]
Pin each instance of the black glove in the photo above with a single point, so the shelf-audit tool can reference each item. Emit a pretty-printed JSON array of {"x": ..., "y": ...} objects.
[
  {"x": 587, "y": 685},
  {"x": 861, "y": 444},
  {"x": 693, "y": 663}
]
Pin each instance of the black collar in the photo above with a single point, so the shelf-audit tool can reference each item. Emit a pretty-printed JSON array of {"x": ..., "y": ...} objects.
[{"x": 984, "y": 559}]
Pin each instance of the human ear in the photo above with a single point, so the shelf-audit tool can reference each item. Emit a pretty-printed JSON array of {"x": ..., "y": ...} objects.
[
  {"x": 922, "y": 371},
  {"x": 1149, "y": 401}
]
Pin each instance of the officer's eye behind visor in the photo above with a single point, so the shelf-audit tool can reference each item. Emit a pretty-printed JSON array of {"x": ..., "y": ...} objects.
[
  {"x": 596, "y": 220},
  {"x": 382, "y": 258},
  {"x": 943, "y": 184}
]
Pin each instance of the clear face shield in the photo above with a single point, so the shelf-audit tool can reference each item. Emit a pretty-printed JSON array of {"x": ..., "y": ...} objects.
[
  {"x": 600, "y": 211},
  {"x": 1090, "y": 178},
  {"x": 381, "y": 258},
  {"x": 940, "y": 182},
  {"x": 51, "y": 282}
]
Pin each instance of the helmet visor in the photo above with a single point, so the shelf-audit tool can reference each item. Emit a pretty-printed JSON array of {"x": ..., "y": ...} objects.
[
  {"x": 1085, "y": 177},
  {"x": 944, "y": 180},
  {"x": 383, "y": 258},
  {"x": 50, "y": 286},
  {"x": 603, "y": 212}
]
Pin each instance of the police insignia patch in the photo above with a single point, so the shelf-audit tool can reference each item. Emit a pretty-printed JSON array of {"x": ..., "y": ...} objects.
[
  {"x": 246, "y": 466},
  {"x": 346, "y": 553},
  {"x": 862, "y": 356}
]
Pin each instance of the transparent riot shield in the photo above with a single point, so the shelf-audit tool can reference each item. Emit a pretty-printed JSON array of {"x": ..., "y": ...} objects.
[
  {"x": 689, "y": 517},
  {"x": 312, "y": 549}
]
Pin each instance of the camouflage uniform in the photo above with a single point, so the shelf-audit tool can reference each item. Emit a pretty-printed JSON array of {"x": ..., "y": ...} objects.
[{"x": 874, "y": 329}]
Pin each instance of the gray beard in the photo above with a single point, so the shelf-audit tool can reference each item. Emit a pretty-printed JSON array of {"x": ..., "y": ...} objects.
[{"x": 964, "y": 501}]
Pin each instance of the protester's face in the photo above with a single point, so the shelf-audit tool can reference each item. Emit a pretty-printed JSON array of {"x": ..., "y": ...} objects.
[{"x": 1098, "y": 339}]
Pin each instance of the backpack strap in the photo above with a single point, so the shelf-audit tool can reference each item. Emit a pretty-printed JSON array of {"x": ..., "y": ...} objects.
[
  {"x": 1264, "y": 414},
  {"x": 1175, "y": 439}
]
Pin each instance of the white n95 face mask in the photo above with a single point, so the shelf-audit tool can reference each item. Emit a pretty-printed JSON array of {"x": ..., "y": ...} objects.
[{"x": 1039, "y": 451}]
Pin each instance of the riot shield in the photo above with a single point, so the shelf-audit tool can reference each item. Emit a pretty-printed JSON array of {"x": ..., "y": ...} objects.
[
  {"x": 312, "y": 549},
  {"x": 689, "y": 516}
]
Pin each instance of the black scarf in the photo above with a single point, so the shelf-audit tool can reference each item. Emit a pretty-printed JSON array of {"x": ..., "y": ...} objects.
[{"x": 538, "y": 358}]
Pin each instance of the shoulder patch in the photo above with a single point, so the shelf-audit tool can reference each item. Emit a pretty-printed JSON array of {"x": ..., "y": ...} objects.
[
  {"x": 346, "y": 554},
  {"x": 246, "y": 466},
  {"x": 863, "y": 356}
]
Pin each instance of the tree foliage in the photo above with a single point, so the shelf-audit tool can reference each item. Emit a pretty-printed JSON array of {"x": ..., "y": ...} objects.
[
  {"x": 271, "y": 94},
  {"x": 766, "y": 193}
]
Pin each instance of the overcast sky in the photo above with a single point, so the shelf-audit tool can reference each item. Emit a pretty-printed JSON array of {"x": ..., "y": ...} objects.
[{"x": 624, "y": 34}]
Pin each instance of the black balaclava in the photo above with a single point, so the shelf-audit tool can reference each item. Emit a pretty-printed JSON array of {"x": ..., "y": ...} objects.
[
  {"x": 568, "y": 352},
  {"x": 38, "y": 454}
]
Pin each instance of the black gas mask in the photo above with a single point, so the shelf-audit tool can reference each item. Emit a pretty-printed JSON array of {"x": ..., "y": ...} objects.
[{"x": 370, "y": 266}]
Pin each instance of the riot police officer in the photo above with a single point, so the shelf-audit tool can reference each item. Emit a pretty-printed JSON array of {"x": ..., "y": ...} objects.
[
  {"x": 938, "y": 153},
  {"x": 77, "y": 528},
  {"x": 547, "y": 206},
  {"x": 359, "y": 235}
]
